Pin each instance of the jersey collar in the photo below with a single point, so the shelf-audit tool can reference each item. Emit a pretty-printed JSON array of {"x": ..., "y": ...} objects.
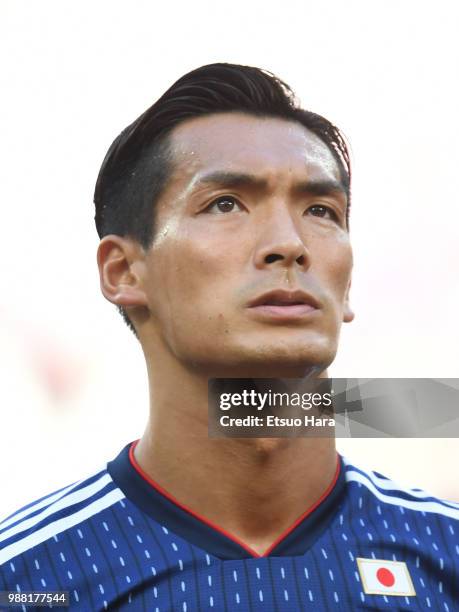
[{"x": 150, "y": 497}]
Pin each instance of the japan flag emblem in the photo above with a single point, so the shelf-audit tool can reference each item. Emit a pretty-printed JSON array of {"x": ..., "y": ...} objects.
[{"x": 381, "y": 577}]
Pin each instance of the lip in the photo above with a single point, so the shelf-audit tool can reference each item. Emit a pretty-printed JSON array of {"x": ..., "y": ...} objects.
[
  {"x": 281, "y": 304},
  {"x": 280, "y": 297}
]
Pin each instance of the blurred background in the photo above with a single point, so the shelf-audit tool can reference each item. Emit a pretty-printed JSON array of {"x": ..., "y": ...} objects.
[{"x": 73, "y": 379}]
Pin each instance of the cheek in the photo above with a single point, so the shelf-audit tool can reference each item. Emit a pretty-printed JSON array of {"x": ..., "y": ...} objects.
[
  {"x": 333, "y": 260},
  {"x": 188, "y": 274},
  {"x": 189, "y": 297}
]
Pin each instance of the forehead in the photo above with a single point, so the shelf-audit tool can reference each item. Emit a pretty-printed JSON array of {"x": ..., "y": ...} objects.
[{"x": 241, "y": 142}]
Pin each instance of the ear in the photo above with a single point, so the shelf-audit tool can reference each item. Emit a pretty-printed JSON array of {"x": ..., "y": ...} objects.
[
  {"x": 121, "y": 263},
  {"x": 348, "y": 313}
]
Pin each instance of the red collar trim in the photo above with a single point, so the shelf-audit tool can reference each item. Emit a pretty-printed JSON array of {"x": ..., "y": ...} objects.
[{"x": 213, "y": 525}]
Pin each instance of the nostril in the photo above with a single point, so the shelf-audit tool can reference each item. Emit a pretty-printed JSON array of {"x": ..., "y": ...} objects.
[
  {"x": 272, "y": 258},
  {"x": 300, "y": 260}
]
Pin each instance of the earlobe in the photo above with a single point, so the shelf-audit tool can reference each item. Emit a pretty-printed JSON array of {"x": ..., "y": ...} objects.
[
  {"x": 120, "y": 261},
  {"x": 348, "y": 313}
]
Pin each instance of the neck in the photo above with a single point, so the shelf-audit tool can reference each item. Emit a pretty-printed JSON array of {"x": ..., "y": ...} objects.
[{"x": 233, "y": 482}]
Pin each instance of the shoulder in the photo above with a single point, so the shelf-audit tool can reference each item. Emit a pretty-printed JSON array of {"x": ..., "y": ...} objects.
[
  {"x": 385, "y": 492},
  {"x": 55, "y": 513}
]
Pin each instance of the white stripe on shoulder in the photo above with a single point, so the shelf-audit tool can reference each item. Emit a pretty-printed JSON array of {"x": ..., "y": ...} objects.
[
  {"x": 45, "y": 502},
  {"x": 420, "y": 506},
  {"x": 60, "y": 525},
  {"x": 69, "y": 500},
  {"x": 390, "y": 485}
]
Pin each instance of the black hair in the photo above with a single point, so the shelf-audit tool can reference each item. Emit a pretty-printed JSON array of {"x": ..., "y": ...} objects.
[{"x": 138, "y": 163}]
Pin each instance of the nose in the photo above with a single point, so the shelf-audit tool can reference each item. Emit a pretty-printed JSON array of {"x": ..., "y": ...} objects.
[{"x": 280, "y": 243}]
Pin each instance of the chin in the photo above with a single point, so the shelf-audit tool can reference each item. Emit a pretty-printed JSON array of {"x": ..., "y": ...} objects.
[
  {"x": 299, "y": 354},
  {"x": 270, "y": 361}
]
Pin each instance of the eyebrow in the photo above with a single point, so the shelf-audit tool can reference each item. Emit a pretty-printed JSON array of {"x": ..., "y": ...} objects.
[
  {"x": 234, "y": 179},
  {"x": 318, "y": 187}
]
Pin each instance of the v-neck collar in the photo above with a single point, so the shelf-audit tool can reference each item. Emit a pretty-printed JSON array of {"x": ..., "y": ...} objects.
[{"x": 155, "y": 501}]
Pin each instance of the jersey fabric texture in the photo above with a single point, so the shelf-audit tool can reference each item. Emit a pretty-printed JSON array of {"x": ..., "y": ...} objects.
[{"x": 117, "y": 541}]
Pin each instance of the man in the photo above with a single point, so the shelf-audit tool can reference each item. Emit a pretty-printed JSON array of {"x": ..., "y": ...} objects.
[{"x": 223, "y": 213}]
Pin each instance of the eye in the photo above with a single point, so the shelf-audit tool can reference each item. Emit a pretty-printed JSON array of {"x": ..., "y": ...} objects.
[
  {"x": 224, "y": 204},
  {"x": 319, "y": 210}
]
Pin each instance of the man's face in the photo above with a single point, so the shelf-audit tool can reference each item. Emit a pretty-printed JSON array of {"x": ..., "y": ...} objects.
[{"x": 250, "y": 268}]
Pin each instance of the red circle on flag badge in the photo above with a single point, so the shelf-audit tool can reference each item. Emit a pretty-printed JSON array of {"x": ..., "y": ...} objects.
[{"x": 385, "y": 577}]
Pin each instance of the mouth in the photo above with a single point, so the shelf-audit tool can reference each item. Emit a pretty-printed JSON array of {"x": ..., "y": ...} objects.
[{"x": 282, "y": 304}]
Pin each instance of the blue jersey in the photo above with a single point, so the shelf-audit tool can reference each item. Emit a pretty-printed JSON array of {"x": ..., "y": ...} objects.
[{"x": 117, "y": 541}]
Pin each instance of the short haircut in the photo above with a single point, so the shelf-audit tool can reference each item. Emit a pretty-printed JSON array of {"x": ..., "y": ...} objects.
[{"x": 138, "y": 163}]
